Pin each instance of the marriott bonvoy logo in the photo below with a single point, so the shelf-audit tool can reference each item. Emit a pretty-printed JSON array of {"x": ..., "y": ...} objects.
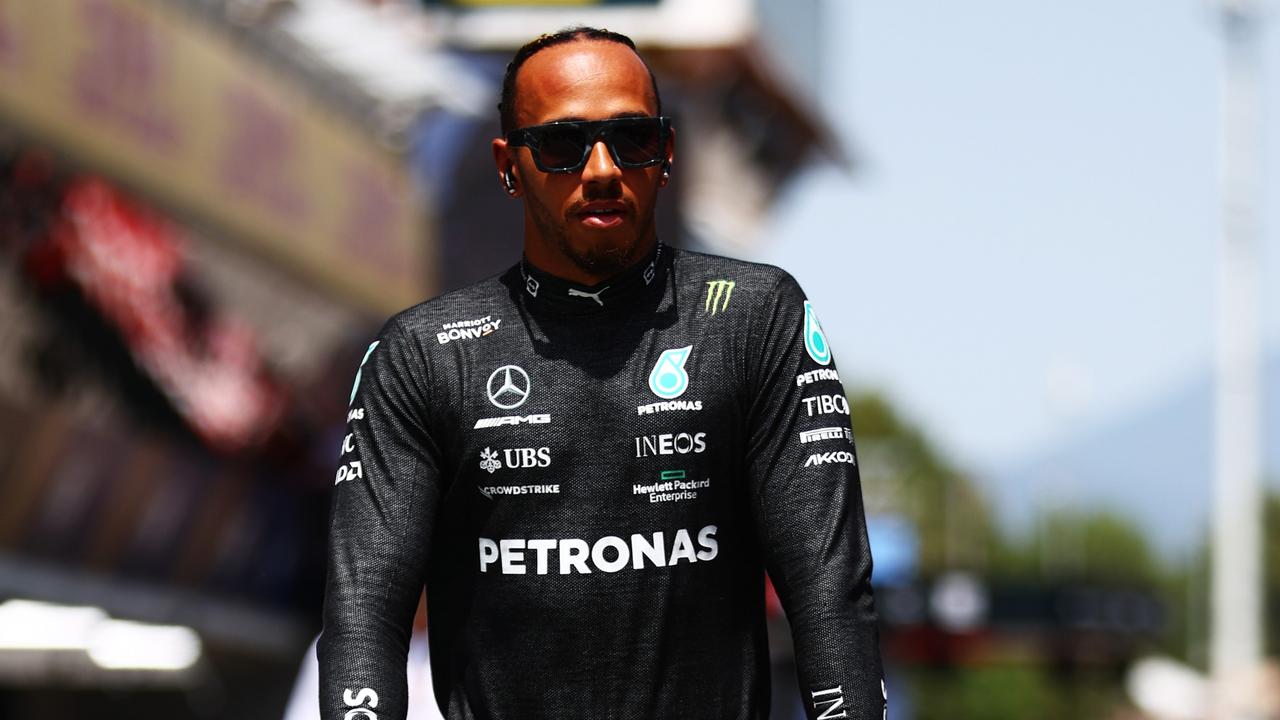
[{"x": 467, "y": 329}]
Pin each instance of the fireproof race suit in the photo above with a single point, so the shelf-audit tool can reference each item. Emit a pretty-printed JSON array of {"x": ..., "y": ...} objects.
[{"x": 591, "y": 483}]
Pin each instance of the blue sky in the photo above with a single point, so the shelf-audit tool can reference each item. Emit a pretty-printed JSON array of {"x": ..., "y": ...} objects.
[{"x": 1028, "y": 248}]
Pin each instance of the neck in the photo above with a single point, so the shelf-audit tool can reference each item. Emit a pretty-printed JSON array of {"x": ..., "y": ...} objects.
[
  {"x": 550, "y": 291},
  {"x": 547, "y": 255}
]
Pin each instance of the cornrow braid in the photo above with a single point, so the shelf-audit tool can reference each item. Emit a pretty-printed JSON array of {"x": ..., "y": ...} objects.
[{"x": 507, "y": 103}]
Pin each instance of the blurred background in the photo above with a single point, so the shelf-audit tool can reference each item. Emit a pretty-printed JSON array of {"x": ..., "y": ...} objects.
[{"x": 1040, "y": 236}]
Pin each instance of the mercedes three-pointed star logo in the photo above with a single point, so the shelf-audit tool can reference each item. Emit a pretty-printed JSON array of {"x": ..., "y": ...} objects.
[{"x": 508, "y": 387}]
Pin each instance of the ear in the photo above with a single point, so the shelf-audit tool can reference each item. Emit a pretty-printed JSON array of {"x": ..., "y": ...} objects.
[
  {"x": 670, "y": 159},
  {"x": 504, "y": 160}
]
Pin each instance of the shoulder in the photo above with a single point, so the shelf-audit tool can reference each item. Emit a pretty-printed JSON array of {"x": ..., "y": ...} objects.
[
  {"x": 471, "y": 307},
  {"x": 699, "y": 264},
  {"x": 759, "y": 287}
]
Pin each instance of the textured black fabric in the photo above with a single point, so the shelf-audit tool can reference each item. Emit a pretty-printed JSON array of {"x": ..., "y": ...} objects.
[{"x": 591, "y": 483}]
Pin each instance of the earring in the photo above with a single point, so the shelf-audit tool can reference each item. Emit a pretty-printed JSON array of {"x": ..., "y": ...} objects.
[
  {"x": 510, "y": 181},
  {"x": 666, "y": 171}
]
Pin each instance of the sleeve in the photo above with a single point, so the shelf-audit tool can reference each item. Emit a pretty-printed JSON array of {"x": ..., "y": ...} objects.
[
  {"x": 380, "y": 518},
  {"x": 807, "y": 504}
]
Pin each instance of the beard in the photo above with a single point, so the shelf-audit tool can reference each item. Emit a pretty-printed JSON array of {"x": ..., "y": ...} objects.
[{"x": 599, "y": 259}]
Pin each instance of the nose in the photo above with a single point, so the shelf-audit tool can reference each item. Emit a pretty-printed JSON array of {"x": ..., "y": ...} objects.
[{"x": 600, "y": 166}]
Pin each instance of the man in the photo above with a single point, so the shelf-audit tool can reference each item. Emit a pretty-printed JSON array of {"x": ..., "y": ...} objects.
[{"x": 591, "y": 459}]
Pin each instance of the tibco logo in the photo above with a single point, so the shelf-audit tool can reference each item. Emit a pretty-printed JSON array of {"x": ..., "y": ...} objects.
[
  {"x": 356, "y": 701},
  {"x": 671, "y": 444},
  {"x": 826, "y": 405},
  {"x": 608, "y": 554},
  {"x": 831, "y": 457}
]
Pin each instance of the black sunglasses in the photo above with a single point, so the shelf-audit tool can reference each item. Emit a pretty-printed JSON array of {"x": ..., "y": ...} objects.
[{"x": 563, "y": 147}]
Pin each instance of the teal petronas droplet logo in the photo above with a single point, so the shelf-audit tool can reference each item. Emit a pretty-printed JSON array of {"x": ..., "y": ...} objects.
[
  {"x": 815, "y": 341},
  {"x": 356, "y": 385},
  {"x": 668, "y": 380}
]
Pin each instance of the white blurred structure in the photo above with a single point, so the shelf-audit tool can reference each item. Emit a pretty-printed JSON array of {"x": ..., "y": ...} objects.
[
  {"x": 1236, "y": 623},
  {"x": 83, "y": 645},
  {"x": 1168, "y": 690},
  {"x": 304, "y": 700}
]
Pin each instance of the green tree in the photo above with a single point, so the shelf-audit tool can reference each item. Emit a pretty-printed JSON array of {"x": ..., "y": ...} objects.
[
  {"x": 1100, "y": 546},
  {"x": 903, "y": 474},
  {"x": 1271, "y": 571}
]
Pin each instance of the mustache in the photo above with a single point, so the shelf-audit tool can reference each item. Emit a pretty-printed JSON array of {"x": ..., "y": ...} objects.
[
  {"x": 603, "y": 191},
  {"x": 629, "y": 206}
]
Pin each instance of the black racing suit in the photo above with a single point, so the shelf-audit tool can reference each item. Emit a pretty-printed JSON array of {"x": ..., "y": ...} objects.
[{"x": 591, "y": 483}]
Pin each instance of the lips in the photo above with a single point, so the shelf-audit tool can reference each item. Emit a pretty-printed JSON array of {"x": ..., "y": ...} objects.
[{"x": 602, "y": 213}]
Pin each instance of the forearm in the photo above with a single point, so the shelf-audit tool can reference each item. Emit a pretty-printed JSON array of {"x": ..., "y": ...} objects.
[
  {"x": 380, "y": 520},
  {"x": 835, "y": 631}
]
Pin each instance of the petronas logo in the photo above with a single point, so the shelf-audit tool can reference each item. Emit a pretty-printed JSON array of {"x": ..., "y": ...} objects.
[
  {"x": 718, "y": 293},
  {"x": 815, "y": 341},
  {"x": 356, "y": 385},
  {"x": 668, "y": 380}
]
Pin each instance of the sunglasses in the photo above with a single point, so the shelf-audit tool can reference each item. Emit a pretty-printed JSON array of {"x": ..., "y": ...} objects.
[{"x": 563, "y": 147}]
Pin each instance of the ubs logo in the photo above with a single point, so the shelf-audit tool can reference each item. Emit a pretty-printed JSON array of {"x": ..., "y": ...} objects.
[
  {"x": 508, "y": 387},
  {"x": 516, "y": 459}
]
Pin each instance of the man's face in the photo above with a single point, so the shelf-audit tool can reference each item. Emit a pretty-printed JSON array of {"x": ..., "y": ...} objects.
[{"x": 600, "y": 218}]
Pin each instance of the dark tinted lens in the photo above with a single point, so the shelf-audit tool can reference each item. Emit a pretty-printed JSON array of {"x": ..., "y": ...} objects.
[
  {"x": 639, "y": 142},
  {"x": 561, "y": 147}
]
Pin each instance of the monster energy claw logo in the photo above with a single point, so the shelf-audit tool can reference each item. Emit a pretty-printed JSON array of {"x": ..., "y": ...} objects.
[
  {"x": 815, "y": 341},
  {"x": 718, "y": 293},
  {"x": 668, "y": 380}
]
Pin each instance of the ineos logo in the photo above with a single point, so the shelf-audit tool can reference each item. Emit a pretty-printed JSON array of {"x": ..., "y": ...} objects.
[{"x": 508, "y": 387}]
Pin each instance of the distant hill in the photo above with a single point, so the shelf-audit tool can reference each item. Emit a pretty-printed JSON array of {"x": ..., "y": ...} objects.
[{"x": 1154, "y": 464}]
